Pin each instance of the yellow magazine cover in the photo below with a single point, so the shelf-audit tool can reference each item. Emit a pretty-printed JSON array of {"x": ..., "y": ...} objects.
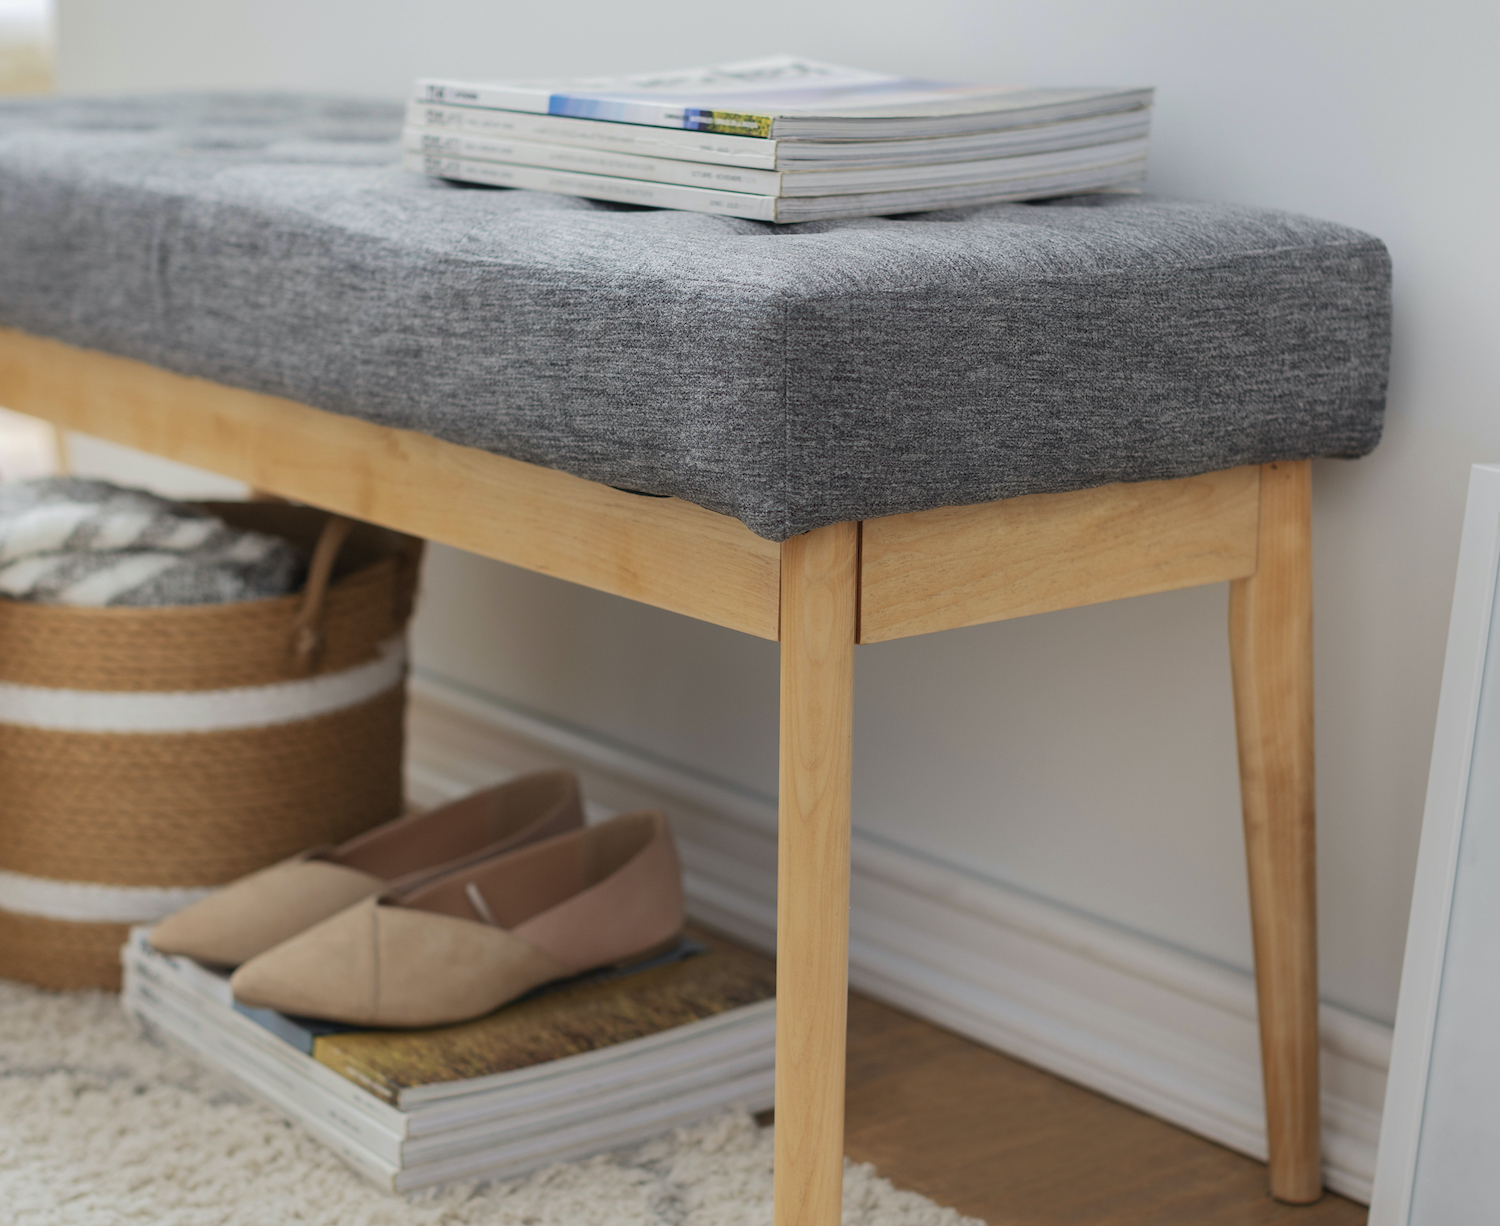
[{"x": 566, "y": 1021}]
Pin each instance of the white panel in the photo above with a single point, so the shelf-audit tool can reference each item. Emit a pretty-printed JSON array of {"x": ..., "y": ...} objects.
[
  {"x": 1456, "y": 1171},
  {"x": 1442, "y": 1109}
]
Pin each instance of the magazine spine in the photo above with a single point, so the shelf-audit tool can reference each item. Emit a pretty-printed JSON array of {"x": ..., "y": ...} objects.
[
  {"x": 197, "y": 979},
  {"x": 436, "y": 143},
  {"x": 597, "y": 187},
  {"x": 585, "y": 106},
  {"x": 234, "y": 1028},
  {"x": 750, "y": 152},
  {"x": 253, "y": 1080}
]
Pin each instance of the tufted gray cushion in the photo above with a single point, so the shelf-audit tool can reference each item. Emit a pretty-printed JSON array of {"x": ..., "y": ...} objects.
[{"x": 792, "y": 376}]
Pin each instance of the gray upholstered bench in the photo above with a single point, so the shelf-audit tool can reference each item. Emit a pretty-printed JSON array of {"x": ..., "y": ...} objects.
[{"x": 865, "y": 430}]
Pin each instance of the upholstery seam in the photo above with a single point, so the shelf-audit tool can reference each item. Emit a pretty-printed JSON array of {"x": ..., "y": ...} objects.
[{"x": 630, "y": 285}]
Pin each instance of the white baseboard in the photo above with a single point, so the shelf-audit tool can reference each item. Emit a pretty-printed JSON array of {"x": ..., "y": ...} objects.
[{"x": 1143, "y": 1022}]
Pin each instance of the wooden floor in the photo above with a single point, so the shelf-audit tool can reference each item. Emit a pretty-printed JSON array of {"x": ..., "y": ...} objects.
[
  {"x": 1014, "y": 1146},
  {"x": 1004, "y": 1142}
]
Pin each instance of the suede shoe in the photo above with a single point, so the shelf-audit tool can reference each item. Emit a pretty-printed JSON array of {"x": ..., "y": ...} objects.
[
  {"x": 465, "y": 943},
  {"x": 260, "y": 911}
]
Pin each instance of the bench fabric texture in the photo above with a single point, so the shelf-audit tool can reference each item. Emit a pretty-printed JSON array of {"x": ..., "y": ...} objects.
[{"x": 792, "y": 376}]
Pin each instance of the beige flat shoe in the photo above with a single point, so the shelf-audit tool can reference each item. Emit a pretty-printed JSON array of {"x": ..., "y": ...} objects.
[
  {"x": 258, "y": 912},
  {"x": 465, "y": 943}
]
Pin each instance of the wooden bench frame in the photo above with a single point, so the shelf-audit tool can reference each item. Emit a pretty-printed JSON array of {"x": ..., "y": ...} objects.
[{"x": 820, "y": 594}]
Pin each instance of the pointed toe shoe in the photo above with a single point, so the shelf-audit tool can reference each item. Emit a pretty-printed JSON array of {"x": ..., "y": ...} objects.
[
  {"x": 465, "y": 943},
  {"x": 259, "y": 912}
]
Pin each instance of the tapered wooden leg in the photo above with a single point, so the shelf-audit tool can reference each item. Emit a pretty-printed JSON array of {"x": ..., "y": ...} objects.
[
  {"x": 819, "y": 573},
  {"x": 1270, "y": 638}
]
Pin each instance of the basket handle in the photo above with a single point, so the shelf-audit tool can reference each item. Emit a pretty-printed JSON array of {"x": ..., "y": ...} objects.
[{"x": 307, "y": 626}]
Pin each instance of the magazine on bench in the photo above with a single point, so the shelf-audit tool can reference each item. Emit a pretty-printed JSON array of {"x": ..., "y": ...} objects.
[
  {"x": 799, "y": 182},
  {"x": 767, "y": 154},
  {"x": 783, "y": 139},
  {"x": 581, "y": 1067},
  {"x": 779, "y": 208},
  {"x": 788, "y": 96}
]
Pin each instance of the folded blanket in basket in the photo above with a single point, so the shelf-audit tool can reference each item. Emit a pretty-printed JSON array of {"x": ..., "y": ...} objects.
[{"x": 74, "y": 541}]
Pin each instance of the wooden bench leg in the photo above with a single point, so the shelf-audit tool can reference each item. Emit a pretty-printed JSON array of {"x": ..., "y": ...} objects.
[
  {"x": 1270, "y": 636},
  {"x": 819, "y": 573}
]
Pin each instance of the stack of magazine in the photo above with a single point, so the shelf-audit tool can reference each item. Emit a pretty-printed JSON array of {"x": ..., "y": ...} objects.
[
  {"x": 783, "y": 139},
  {"x": 595, "y": 1063}
]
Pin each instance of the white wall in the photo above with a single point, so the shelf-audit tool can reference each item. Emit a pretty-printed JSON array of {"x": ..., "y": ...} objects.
[
  {"x": 25, "y": 46},
  {"x": 25, "y": 19},
  {"x": 1085, "y": 756}
]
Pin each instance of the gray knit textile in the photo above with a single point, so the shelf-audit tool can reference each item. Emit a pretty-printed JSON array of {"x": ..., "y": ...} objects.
[
  {"x": 792, "y": 376},
  {"x": 73, "y": 541}
]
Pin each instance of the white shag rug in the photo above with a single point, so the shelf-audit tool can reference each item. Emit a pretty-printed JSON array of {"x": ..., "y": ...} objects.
[{"x": 100, "y": 1126}]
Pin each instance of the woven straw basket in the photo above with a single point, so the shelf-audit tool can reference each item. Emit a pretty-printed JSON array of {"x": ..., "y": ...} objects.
[{"x": 149, "y": 754}]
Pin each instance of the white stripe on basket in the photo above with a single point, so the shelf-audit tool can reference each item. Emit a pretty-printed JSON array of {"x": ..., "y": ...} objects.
[
  {"x": 85, "y": 902},
  {"x": 251, "y": 706}
]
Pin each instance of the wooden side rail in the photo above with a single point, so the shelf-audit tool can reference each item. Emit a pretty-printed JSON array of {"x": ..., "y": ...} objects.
[
  {"x": 660, "y": 551},
  {"x": 959, "y": 566}
]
